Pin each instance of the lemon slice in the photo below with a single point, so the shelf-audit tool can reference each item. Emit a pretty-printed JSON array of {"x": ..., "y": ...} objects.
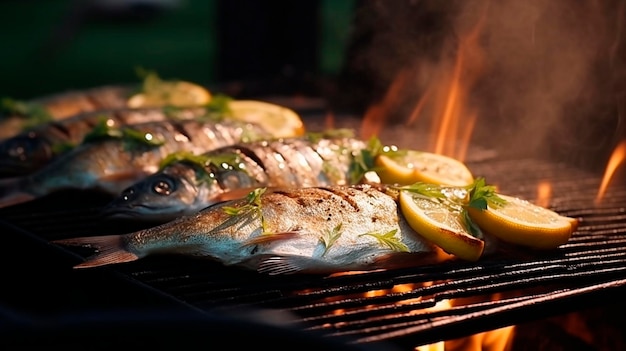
[
  {"x": 523, "y": 223},
  {"x": 171, "y": 93},
  {"x": 420, "y": 166},
  {"x": 281, "y": 121},
  {"x": 441, "y": 225}
]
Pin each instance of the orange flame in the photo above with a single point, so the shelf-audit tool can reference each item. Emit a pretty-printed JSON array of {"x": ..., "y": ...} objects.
[
  {"x": 544, "y": 194},
  {"x": 616, "y": 159},
  {"x": 443, "y": 105}
]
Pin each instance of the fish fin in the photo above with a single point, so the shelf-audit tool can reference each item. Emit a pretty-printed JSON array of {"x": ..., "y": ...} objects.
[
  {"x": 280, "y": 265},
  {"x": 12, "y": 192},
  {"x": 270, "y": 238},
  {"x": 110, "y": 250}
]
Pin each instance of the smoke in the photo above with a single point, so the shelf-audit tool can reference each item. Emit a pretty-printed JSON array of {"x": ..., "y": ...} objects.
[{"x": 546, "y": 77}]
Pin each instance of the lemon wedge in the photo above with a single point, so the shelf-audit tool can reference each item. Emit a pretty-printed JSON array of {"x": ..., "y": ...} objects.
[
  {"x": 524, "y": 223},
  {"x": 441, "y": 225},
  {"x": 420, "y": 166},
  {"x": 170, "y": 93},
  {"x": 281, "y": 121}
]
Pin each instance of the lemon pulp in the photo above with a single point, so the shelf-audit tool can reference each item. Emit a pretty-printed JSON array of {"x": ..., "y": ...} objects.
[
  {"x": 523, "y": 223},
  {"x": 441, "y": 225},
  {"x": 420, "y": 166},
  {"x": 171, "y": 93},
  {"x": 281, "y": 121}
]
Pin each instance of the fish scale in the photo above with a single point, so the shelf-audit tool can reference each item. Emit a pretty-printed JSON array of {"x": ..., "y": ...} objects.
[
  {"x": 184, "y": 187},
  {"x": 32, "y": 149},
  {"x": 112, "y": 164},
  {"x": 279, "y": 231}
]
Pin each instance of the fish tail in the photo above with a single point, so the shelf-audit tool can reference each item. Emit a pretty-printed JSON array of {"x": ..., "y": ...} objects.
[
  {"x": 110, "y": 250},
  {"x": 12, "y": 192}
]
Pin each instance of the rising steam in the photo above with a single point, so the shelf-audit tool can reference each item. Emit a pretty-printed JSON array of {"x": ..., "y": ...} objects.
[{"x": 543, "y": 77}]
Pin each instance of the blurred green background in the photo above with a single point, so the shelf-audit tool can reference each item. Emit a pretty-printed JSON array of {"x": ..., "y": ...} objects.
[{"x": 54, "y": 45}]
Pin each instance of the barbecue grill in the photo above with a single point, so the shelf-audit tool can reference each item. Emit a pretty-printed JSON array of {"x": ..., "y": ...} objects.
[{"x": 189, "y": 300}]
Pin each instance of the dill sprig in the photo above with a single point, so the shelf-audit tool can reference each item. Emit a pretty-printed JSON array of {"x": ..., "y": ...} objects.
[
  {"x": 390, "y": 240},
  {"x": 252, "y": 206},
  {"x": 329, "y": 237}
]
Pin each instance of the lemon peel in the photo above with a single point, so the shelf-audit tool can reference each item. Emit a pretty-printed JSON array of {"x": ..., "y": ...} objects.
[
  {"x": 420, "y": 166},
  {"x": 523, "y": 223}
]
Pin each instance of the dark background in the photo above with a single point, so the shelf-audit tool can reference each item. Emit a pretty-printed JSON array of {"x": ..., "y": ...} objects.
[{"x": 54, "y": 45}]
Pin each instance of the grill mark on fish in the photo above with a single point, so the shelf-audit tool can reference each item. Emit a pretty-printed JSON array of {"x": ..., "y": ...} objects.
[
  {"x": 343, "y": 195},
  {"x": 62, "y": 129},
  {"x": 181, "y": 129},
  {"x": 247, "y": 152}
]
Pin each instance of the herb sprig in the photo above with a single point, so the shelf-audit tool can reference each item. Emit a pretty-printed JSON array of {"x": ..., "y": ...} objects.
[
  {"x": 479, "y": 195},
  {"x": 364, "y": 161},
  {"x": 329, "y": 237},
  {"x": 132, "y": 138},
  {"x": 389, "y": 239},
  {"x": 252, "y": 207}
]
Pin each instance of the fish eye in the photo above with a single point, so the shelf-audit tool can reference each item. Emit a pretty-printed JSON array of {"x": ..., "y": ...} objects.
[
  {"x": 163, "y": 186},
  {"x": 23, "y": 147}
]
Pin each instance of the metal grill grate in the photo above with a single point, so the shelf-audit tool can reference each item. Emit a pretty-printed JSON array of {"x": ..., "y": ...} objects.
[{"x": 395, "y": 306}]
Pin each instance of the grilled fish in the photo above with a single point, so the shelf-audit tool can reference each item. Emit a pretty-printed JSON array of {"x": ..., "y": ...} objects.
[
  {"x": 20, "y": 115},
  {"x": 187, "y": 185},
  {"x": 31, "y": 149},
  {"x": 281, "y": 231},
  {"x": 111, "y": 164}
]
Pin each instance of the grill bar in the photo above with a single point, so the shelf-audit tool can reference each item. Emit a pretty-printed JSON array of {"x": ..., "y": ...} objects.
[{"x": 398, "y": 306}]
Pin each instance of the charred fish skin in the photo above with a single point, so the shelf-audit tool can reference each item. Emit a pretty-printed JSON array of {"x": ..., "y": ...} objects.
[
  {"x": 33, "y": 148},
  {"x": 66, "y": 104},
  {"x": 184, "y": 187},
  {"x": 316, "y": 230},
  {"x": 112, "y": 164}
]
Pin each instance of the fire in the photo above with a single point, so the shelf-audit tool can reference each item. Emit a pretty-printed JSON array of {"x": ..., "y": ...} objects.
[
  {"x": 443, "y": 106},
  {"x": 544, "y": 194},
  {"x": 616, "y": 159}
]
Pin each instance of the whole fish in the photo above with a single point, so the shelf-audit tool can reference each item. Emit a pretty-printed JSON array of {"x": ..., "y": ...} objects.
[
  {"x": 19, "y": 115},
  {"x": 117, "y": 158},
  {"x": 281, "y": 231},
  {"x": 35, "y": 147},
  {"x": 190, "y": 183}
]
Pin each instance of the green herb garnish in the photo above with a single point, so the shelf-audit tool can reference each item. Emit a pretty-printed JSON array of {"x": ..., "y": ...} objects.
[
  {"x": 34, "y": 113},
  {"x": 388, "y": 239},
  {"x": 480, "y": 195},
  {"x": 329, "y": 237},
  {"x": 252, "y": 207},
  {"x": 132, "y": 138},
  {"x": 363, "y": 162},
  {"x": 202, "y": 163}
]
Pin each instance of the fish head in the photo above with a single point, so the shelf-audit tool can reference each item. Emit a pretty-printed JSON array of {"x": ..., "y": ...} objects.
[
  {"x": 161, "y": 196},
  {"x": 23, "y": 154}
]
